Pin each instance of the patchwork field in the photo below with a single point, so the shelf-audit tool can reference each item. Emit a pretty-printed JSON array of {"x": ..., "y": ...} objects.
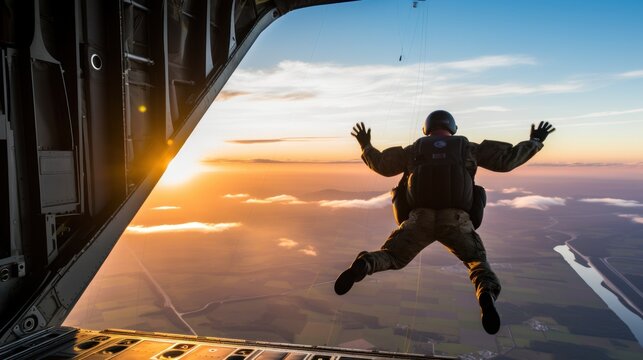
[{"x": 248, "y": 282}]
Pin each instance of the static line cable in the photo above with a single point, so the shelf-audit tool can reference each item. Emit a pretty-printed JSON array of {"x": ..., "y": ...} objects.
[
  {"x": 402, "y": 32},
  {"x": 421, "y": 72}
]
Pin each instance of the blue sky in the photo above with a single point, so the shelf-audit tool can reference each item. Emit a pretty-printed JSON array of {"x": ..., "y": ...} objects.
[
  {"x": 583, "y": 36},
  {"x": 498, "y": 66}
]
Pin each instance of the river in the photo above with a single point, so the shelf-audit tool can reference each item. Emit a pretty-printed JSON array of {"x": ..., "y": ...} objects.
[{"x": 594, "y": 279}]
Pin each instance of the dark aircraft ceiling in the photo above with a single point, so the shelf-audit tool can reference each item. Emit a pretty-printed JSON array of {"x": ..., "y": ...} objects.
[{"x": 285, "y": 6}]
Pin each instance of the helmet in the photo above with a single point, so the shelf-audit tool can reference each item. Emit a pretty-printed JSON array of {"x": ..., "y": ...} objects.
[{"x": 439, "y": 119}]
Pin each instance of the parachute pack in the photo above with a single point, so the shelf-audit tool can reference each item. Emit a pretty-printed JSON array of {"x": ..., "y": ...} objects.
[{"x": 439, "y": 179}]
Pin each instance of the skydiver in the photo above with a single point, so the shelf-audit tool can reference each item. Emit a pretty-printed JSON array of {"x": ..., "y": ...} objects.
[{"x": 438, "y": 189}]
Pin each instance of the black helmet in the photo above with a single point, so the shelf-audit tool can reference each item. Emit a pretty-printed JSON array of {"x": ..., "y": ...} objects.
[{"x": 439, "y": 119}]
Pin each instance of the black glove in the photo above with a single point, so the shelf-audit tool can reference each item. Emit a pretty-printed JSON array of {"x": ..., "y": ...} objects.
[
  {"x": 362, "y": 136},
  {"x": 540, "y": 134}
]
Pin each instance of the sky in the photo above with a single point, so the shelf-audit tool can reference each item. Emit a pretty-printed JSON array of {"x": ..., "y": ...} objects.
[{"x": 497, "y": 66}]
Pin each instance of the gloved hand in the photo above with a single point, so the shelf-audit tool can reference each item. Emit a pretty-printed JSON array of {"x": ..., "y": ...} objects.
[
  {"x": 540, "y": 134},
  {"x": 362, "y": 136}
]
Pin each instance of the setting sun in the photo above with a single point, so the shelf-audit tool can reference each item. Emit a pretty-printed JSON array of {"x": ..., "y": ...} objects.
[{"x": 180, "y": 170}]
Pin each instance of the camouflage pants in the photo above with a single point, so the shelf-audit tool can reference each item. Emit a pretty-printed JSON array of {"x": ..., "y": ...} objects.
[{"x": 452, "y": 228}]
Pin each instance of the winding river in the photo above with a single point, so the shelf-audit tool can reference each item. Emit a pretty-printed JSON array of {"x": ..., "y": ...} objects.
[{"x": 593, "y": 278}]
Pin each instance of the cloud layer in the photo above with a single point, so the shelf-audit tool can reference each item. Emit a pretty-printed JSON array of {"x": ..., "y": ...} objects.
[
  {"x": 377, "y": 202},
  {"x": 536, "y": 202},
  {"x": 309, "y": 250},
  {"x": 236, "y": 196},
  {"x": 278, "y": 140},
  {"x": 282, "y": 199},
  {"x": 287, "y": 243},
  {"x": 635, "y": 218},
  {"x": 162, "y": 208},
  {"x": 180, "y": 228},
  {"x": 631, "y": 74},
  {"x": 484, "y": 63},
  {"x": 513, "y": 190},
  {"x": 336, "y": 93},
  {"x": 613, "y": 202}
]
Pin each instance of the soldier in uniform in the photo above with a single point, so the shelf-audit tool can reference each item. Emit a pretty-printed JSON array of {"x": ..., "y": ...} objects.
[{"x": 440, "y": 170}]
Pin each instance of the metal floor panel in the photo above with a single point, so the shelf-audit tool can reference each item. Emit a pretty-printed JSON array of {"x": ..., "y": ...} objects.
[{"x": 70, "y": 343}]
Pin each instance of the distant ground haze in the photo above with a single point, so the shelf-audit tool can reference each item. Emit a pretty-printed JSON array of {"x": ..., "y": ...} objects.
[{"x": 247, "y": 250}]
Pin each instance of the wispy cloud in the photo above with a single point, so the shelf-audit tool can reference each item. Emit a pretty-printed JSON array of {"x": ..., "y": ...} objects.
[
  {"x": 285, "y": 139},
  {"x": 490, "y": 108},
  {"x": 377, "y": 202},
  {"x": 292, "y": 244},
  {"x": 484, "y": 63},
  {"x": 286, "y": 96},
  {"x": 635, "y": 218},
  {"x": 282, "y": 199},
  {"x": 598, "y": 114},
  {"x": 536, "y": 202},
  {"x": 179, "y": 228},
  {"x": 274, "y": 161},
  {"x": 506, "y": 89},
  {"x": 613, "y": 202},
  {"x": 513, "y": 190},
  {"x": 290, "y": 96},
  {"x": 236, "y": 196},
  {"x": 287, "y": 243},
  {"x": 631, "y": 74},
  {"x": 343, "y": 93},
  {"x": 228, "y": 94},
  {"x": 162, "y": 208},
  {"x": 309, "y": 250}
]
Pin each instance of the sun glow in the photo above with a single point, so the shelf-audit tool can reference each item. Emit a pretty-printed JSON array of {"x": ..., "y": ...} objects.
[{"x": 180, "y": 171}]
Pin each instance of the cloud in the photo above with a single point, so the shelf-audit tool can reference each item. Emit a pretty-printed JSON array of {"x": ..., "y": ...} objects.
[
  {"x": 227, "y": 94},
  {"x": 631, "y": 74},
  {"x": 487, "y": 62},
  {"x": 613, "y": 202},
  {"x": 469, "y": 90},
  {"x": 531, "y": 202},
  {"x": 291, "y": 244},
  {"x": 185, "y": 227},
  {"x": 483, "y": 109},
  {"x": 235, "y": 196},
  {"x": 283, "y": 199},
  {"x": 343, "y": 93},
  {"x": 635, "y": 218},
  {"x": 513, "y": 190},
  {"x": 286, "y": 139},
  {"x": 273, "y": 161},
  {"x": 377, "y": 202},
  {"x": 309, "y": 250},
  {"x": 287, "y": 243},
  {"x": 598, "y": 114},
  {"x": 291, "y": 96},
  {"x": 161, "y": 208}
]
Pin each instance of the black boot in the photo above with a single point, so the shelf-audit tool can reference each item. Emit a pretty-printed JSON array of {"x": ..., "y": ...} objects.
[
  {"x": 355, "y": 273},
  {"x": 489, "y": 314}
]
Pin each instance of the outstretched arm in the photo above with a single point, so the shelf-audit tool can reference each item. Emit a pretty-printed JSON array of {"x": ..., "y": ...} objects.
[
  {"x": 503, "y": 157},
  {"x": 389, "y": 162}
]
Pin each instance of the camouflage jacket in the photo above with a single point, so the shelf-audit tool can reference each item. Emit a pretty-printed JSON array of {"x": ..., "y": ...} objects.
[{"x": 491, "y": 155}]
